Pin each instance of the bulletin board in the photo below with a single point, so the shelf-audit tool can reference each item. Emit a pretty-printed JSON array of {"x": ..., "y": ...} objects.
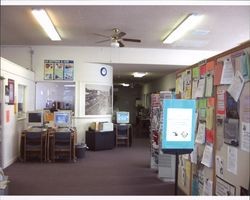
[{"x": 221, "y": 88}]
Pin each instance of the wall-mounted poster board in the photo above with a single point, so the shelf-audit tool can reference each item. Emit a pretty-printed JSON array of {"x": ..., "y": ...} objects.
[
  {"x": 58, "y": 69},
  {"x": 179, "y": 122}
]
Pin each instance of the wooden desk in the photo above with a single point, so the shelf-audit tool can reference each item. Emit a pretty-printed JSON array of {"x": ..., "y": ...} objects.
[{"x": 50, "y": 142}]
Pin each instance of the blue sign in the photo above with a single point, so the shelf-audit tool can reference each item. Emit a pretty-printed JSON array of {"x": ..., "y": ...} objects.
[{"x": 179, "y": 120}]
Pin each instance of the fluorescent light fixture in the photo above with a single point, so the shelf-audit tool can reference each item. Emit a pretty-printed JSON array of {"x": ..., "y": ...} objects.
[
  {"x": 187, "y": 24},
  {"x": 44, "y": 20},
  {"x": 125, "y": 84},
  {"x": 139, "y": 74}
]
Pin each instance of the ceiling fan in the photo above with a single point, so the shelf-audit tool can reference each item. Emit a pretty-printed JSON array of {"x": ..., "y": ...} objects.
[{"x": 116, "y": 38}]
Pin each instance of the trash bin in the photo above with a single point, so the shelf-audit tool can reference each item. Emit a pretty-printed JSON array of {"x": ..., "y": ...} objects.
[{"x": 80, "y": 150}]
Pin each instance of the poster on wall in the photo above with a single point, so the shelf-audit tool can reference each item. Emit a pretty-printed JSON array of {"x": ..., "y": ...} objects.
[
  {"x": 68, "y": 70},
  {"x": 179, "y": 122},
  {"x": 48, "y": 70},
  {"x": 11, "y": 86},
  {"x": 58, "y": 70},
  {"x": 98, "y": 99}
]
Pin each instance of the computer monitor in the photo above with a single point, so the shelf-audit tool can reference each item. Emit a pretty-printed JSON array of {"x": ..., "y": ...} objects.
[
  {"x": 35, "y": 118},
  {"x": 122, "y": 117},
  {"x": 62, "y": 118}
]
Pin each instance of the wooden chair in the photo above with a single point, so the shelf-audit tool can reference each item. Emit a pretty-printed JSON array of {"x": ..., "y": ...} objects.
[
  {"x": 35, "y": 144},
  {"x": 122, "y": 134},
  {"x": 62, "y": 145}
]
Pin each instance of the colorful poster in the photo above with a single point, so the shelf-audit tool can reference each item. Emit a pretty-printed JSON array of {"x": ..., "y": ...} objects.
[
  {"x": 179, "y": 122},
  {"x": 217, "y": 73},
  {"x": 68, "y": 70},
  {"x": 58, "y": 70},
  {"x": 11, "y": 86},
  {"x": 48, "y": 70},
  {"x": 221, "y": 101}
]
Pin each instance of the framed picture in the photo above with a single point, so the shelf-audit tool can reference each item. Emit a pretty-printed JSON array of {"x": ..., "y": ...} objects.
[
  {"x": 98, "y": 99},
  {"x": 11, "y": 86}
]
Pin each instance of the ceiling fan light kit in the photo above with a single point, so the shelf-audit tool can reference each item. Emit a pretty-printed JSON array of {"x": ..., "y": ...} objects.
[
  {"x": 45, "y": 22},
  {"x": 187, "y": 24},
  {"x": 116, "y": 38},
  {"x": 114, "y": 44}
]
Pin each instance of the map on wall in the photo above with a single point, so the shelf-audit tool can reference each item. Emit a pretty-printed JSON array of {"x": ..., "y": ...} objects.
[
  {"x": 98, "y": 99},
  {"x": 58, "y": 69}
]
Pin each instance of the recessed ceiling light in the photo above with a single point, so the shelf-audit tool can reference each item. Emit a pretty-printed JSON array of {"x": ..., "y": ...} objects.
[
  {"x": 125, "y": 84},
  {"x": 139, "y": 74}
]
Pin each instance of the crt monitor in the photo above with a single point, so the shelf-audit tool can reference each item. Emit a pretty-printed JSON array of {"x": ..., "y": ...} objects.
[
  {"x": 62, "y": 118},
  {"x": 35, "y": 118},
  {"x": 122, "y": 117}
]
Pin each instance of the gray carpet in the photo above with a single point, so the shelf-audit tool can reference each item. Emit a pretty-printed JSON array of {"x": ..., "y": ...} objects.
[{"x": 120, "y": 171}]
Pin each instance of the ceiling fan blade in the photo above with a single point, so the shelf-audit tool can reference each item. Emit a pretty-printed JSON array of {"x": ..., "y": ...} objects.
[
  {"x": 121, "y": 34},
  {"x": 103, "y": 41},
  {"x": 131, "y": 40},
  {"x": 101, "y": 35},
  {"x": 121, "y": 44}
]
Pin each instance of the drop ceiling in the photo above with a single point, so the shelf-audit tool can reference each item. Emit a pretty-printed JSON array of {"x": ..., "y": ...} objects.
[{"x": 223, "y": 27}]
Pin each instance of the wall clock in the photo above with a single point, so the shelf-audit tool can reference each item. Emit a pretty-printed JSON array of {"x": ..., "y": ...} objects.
[{"x": 103, "y": 71}]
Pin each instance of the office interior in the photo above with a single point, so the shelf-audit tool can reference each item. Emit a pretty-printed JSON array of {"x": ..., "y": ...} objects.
[{"x": 101, "y": 46}]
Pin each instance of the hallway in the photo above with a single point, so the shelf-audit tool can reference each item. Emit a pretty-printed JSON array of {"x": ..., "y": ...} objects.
[{"x": 121, "y": 171}]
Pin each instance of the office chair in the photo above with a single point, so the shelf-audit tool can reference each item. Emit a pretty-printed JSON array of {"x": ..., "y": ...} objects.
[
  {"x": 34, "y": 143},
  {"x": 122, "y": 134},
  {"x": 62, "y": 145}
]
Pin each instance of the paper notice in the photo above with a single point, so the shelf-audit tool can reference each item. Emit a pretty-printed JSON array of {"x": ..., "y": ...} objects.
[
  {"x": 207, "y": 158},
  {"x": 236, "y": 87},
  {"x": 227, "y": 72},
  {"x": 232, "y": 159},
  {"x": 219, "y": 166},
  {"x": 245, "y": 136},
  {"x": 200, "y": 137}
]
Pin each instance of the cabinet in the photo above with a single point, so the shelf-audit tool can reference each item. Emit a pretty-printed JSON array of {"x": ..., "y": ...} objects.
[{"x": 100, "y": 140}]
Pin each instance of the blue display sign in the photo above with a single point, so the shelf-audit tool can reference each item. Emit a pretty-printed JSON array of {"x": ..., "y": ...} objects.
[{"x": 179, "y": 120}]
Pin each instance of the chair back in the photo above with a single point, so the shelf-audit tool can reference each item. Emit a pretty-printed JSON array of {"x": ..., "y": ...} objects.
[
  {"x": 62, "y": 139},
  {"x": 122, "y": 130},
  {"x": 33, "y": 138}
]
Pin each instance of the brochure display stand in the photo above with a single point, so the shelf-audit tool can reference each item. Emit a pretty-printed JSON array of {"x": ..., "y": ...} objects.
[{"x": 179, "y": 120}]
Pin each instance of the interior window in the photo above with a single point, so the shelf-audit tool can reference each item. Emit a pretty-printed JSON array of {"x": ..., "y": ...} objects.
[{"x": 21, "y": 100}]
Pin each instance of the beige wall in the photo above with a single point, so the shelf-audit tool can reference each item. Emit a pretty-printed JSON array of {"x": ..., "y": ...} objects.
[{"x": 165, "y": 83}]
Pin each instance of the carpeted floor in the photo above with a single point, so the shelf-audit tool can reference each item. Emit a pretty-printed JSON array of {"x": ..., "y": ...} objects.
[{"x": 121, "y": 171}]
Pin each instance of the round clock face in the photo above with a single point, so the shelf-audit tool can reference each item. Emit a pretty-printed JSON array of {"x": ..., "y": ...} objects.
[{"x": 103, "y": 71}]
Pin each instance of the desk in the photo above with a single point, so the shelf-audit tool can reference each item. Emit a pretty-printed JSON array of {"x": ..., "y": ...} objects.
[
  {"x": 48, "y": 141},
  {"x": 100, "y": 140},
  {"x": 130, "y": 132}
]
